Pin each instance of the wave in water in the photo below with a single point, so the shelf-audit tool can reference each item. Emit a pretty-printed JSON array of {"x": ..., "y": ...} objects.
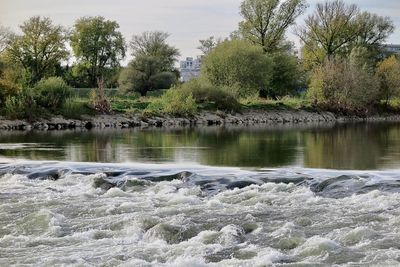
[{"x": 169, "y": 215}]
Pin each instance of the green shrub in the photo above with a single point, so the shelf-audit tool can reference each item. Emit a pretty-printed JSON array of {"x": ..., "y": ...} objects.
[
  {"x": 238, "y": 64},
  {"x": 388, "y": 72},
  {"x": 7, "y": 88},
  {"x": 20, "y": 106},
  {"x": 75, "y": 107},
  {"x": 174, "y": 102},
  {"x": 98, "y": 99},
  {"x": 52, "y": 92},
  {"x": 340, "y": 86},
  {"x": 203, "y": 92},
  {"x": 287, "y": 76}
]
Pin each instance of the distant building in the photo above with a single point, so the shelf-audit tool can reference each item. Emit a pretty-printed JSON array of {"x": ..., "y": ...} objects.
[
  {"x": 190, "y": 68},
  {"x": 392, "y": 48}
]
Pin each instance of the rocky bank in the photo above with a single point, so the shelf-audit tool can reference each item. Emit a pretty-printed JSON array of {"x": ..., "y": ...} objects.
[{"x": 252, "y": 117}]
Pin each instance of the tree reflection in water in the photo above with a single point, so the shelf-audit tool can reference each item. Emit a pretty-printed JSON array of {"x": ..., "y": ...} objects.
[{"x": 347, "y": 146}]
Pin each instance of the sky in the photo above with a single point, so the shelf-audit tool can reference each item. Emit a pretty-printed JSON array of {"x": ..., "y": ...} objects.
[{"x": 187, "y": 21}]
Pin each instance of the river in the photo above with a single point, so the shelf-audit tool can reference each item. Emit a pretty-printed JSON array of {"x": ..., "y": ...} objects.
[{"x": 305, "y": 195}]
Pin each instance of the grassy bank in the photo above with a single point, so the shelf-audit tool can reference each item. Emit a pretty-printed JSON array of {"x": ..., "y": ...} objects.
[
  {"x": 79, "y": 104},
  {"x": 133, "y": 104}
]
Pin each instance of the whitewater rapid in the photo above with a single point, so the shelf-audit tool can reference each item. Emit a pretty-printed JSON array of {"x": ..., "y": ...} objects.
[{"x": 77, "y": 214}]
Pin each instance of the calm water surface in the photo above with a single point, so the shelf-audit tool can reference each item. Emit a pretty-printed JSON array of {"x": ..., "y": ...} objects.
[
  {"x": 326, "y": 195},
  {"x": 352, "y": 147}
]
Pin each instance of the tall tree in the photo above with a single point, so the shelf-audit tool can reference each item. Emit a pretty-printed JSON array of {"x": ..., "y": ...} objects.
[
  {"x": 373, "y": 29},
  {"x": 153, "y": 63},
  {"x": 154, "y": 43},
  {"x": 39, "y": 49},
  {"x": 336, "y": 28},
  {"x": 239, "y": 64},
  {"x": 207, "y": 45},
  {"x": 5, "y": 37},
  {"x": 388, "y": 72},
  {"x": 98, "y": 46},
  {"x": 266, "y": 21}
]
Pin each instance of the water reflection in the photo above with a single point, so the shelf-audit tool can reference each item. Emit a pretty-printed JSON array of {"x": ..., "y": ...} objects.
[{"x": 351, "y": 146}]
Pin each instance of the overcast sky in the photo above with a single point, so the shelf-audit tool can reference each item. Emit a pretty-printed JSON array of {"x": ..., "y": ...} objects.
[{"x": 186, "y": 20}]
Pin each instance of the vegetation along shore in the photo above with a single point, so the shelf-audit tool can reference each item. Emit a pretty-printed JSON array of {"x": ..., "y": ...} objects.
[{"x": 342, "y": 72}]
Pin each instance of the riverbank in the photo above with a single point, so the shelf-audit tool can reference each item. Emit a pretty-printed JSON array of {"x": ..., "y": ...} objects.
[{"x": 248, "y": 117}]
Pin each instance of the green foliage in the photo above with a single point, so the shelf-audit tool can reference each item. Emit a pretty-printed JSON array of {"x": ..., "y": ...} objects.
[
  {"x": 98, "y": 99},
  {"x": 128, "y": 105},
  {"x": 174, "y": 102},
  {"x": 20, "y": 106},
  {"x": 7, "y": 88},
  {"x": 39, "y": 49},
  {"x": 207, "y": 45},
  {"x": 5, "y": 37},
  {"x": 153, "y": 65},
  {"x": 287, "y": 76},
  {"x": 265, "y": 21},
  {"x": 75, "y": 107},
  {"x": 238, "y": 64},
  {"x": 144, "y": 74},
  {"x": 388, "y": 72},
  {"x": 335, "y": 28},
  {"x": 205, "y": 93},
  {"x": 284, "y": 103},
  {"x": 155, "y": 44},
  {"x": 98, "y": 46},
  {"x": 52, "y": 92},
  {"x": 339, "y": 86},
  {"x": 362, "y": 57}
]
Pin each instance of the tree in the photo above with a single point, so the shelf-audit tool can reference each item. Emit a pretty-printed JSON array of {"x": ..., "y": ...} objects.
[
  {"x": 336, "y": 28},
  {"x": 341, "y": 86},
  {"x": 98, "y": 47},
  {"x": 287, "y": 76},
  {"x": 266, "y": 21},
  {"x": 5, "y": 37},
  {"x": 238, "y": 64},
  {"x": 152, "y": 67},
  {"x": 362, "y": 57},
  {"x": 388, "y": 72},
  {"x": 52, "y": 92},
  {"x": 373, "y": 29},
  {"x": 155, "y": 44},
  {"x": 143, "y": 74},
  {"x": 39, "y": 49},
  {"x": 207, "y": 45}
]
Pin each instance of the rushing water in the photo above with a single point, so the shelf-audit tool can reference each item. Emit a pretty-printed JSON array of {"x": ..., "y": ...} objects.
[{"x": 305, "y": 196}]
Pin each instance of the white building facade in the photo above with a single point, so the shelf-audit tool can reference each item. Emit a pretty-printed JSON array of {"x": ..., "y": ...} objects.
[{"x": 190, "y": 68}]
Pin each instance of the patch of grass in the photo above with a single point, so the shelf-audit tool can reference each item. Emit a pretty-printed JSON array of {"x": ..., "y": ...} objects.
[
  {"x": 285, "y": 103},
  {"x": 75, "y": 107},
  {"x": 130, "y": 103},
  {"x": 393, "y": 104},
  {"x": 156, "y": 93},
  {"x": 210, "y": 97},
  {"x": 174, "y": 102}
]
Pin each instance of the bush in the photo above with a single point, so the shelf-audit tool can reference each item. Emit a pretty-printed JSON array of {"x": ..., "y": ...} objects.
[
  {"x": 239, "y": 64},
  {"x": 203, "y": 92},
  {"x": 287, "y": 76},
  {"x": 143, "y": 74},
  {"x": 340, "y": 86},
  {"x": 52, "y": 92},
  {"x": 7, "y": 88},
  {"x": 75, "y": 107},
  {"x": 20, "y": 106},
  {"x": 98, "y": 99},
  {"x": 174, "y": 102},
  {"x": 388, "y": 72}
]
